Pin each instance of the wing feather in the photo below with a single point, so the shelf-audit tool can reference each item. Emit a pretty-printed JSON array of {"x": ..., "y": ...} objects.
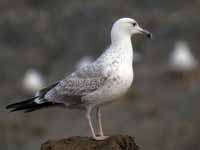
[{"x": 78, "y": 84}]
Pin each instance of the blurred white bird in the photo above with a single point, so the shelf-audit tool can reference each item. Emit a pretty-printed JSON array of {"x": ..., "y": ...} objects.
[
  {"x": 84, "y": 61},
  {"x": 182, "y": 59},
  {"x": 33, "y": 81}
]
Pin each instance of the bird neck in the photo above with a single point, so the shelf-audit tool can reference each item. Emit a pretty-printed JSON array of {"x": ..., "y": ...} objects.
[{"x": 122, "y": 47}]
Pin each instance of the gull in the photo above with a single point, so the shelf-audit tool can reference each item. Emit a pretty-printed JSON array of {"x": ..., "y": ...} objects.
[
  {"x": 84, "y": 61},
  {"x": 33, "y": 81},
  {"x": 182, "y": 59},
  {"x": 96, "y": 84}
]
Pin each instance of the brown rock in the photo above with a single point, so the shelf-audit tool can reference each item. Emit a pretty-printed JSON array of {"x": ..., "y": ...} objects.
[{"x": 118, "y": 142}]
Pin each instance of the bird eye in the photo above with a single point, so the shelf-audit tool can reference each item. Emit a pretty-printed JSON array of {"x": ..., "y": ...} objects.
[{"x": 134, "y": 24}]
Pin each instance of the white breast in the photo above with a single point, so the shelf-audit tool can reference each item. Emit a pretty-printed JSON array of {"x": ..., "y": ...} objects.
[
  {"x": 125, "y": 75},
  {"x": 116, "y": 86},
  {"x": 117, "y": 62}
]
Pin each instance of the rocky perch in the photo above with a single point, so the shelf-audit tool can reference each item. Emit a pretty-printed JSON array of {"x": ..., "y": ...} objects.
[{"x": 118, "y": 142}]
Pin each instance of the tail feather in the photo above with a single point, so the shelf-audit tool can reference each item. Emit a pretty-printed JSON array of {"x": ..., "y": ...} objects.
[
  {"x": 28, "y": 105},
  {"x": 31, "y": 104},
  {"x": 23, "y": 102}
]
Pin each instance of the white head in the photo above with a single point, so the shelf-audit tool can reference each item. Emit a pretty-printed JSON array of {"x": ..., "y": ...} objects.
[{"x": 125, "y": 28}]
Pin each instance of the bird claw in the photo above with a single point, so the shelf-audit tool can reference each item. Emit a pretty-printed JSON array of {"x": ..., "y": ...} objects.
[{"x": 100, "y": 138}]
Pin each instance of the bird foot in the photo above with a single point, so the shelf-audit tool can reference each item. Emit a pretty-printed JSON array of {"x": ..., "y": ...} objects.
[{"x": 100, "y": 138}]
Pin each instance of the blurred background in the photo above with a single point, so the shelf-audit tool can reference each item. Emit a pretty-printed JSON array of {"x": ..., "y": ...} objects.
[{"x": 41, "y": 41}]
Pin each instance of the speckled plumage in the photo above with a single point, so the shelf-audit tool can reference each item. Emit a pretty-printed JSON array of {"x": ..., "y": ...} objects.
[
  {"x": 98, "y": 83},
  {"x": 103, "y": 80}
]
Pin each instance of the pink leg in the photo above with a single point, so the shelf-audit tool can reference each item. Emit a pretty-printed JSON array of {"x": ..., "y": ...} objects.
[
  {"x": 88, "y": 116},
  {"x": 99, "y": 122}
]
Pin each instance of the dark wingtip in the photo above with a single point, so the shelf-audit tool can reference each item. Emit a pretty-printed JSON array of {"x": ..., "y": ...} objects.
[
  {"x": 13, "y": 110},
  {"x": 26, "y": 101},
  {"x": 9, "y": 106}
]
